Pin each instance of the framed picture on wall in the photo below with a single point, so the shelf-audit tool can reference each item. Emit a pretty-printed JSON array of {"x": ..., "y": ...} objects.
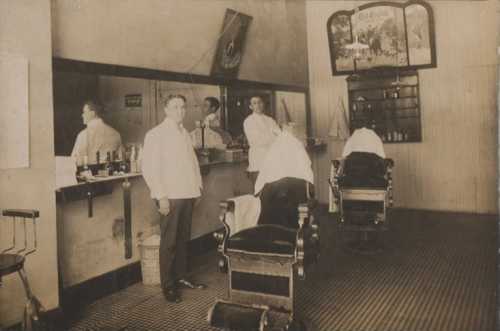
[
  {"x": 382, "y": 35},
  {"x": 230, "y": 47}
]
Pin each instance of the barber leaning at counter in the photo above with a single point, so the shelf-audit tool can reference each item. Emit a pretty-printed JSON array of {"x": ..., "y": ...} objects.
[
  {"x": 171, "y": 170},
  {"x": 97, "y": 137}
]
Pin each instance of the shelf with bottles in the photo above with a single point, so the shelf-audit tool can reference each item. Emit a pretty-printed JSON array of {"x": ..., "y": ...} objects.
[
  {"x": 389, "y": 100},
  {"x": 386, "y": 87},
  {"x": 119, "y": 162},
  {"x": 400, "y": 130}
]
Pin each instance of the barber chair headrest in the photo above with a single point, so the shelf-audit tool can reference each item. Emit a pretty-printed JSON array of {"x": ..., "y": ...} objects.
[{"x": 280, "y": 201}]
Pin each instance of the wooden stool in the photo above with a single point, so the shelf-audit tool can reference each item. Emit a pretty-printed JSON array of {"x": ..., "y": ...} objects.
[{"x": 14, "y": 262}]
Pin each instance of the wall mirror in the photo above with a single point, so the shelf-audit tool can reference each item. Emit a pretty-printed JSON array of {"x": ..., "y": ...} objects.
[
  {"x": 132, "y": 100},
  {"x": 382, "y": 34}
]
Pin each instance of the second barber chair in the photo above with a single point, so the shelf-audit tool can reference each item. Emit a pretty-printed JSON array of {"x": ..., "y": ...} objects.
[{"x": 363, "y": 204}]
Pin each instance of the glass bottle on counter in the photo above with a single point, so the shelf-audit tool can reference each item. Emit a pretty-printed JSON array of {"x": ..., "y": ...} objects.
[
  {"x": 395, "y": 95},
  {"x": 123, "y": 168},
  {"x": 133, "y": 161},
  {"x": 84, "y": 172},
  {"x": 85, "y": 163},
  {"x": 139, "y": 159},
  {"x": 109, "y": 165}
]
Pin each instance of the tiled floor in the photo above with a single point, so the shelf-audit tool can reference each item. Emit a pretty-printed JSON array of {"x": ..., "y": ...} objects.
[{"x": 437, "y": 274}]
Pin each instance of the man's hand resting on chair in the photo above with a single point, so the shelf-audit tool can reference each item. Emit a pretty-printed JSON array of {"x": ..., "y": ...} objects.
[{"x": 164, "y": 206}]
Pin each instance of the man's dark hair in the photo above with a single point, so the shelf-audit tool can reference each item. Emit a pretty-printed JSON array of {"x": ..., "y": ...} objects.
[
  {"x": 260, "y": 96},
  {"x": 95, "y": 106},
  {"x": 214, "y": 103},
  {"x": 173, "y": 96}
]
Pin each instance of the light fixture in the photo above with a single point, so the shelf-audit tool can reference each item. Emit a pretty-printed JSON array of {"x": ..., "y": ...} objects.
[{"x": 357, "y": 49}]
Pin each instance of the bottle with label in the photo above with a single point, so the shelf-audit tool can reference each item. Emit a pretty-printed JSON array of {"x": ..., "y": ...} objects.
[
  {"x": 133, "y": 161},
  {"x": 139, "y": 159},
  {"x": 109, "y": 164},
  {"x": 85, "y": 163},
  {"x": 122, "y": 162},
  {"x": 396, "y": 93}
]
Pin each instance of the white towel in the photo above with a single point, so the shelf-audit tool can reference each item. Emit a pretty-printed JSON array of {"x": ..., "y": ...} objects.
[
  {"x": 287, "y": 157},
  {"x": 364, "y": 140},
  {"x": 246, "y": 213}
]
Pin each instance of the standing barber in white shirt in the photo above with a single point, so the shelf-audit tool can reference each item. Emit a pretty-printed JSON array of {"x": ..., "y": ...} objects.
[
  {"x": 261, "y": 131},
  {"x": 172, "y": 173},
  {"x": 97, "y": 137}
]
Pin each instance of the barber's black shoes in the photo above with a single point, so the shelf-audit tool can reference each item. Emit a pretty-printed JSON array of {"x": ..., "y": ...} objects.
[
  {"x": 172, "y": 295},
  {"x": 188, "y": 284}
]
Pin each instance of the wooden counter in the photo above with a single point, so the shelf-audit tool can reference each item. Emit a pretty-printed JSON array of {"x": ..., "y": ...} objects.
[{"x": 89, "y": 247}]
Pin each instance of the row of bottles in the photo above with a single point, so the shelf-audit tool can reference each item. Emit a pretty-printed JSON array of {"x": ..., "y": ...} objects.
[
  {"x": 391, "y": 93},
  {"x": 116, "y": 162},
  {"x": 395, "y": 136}
]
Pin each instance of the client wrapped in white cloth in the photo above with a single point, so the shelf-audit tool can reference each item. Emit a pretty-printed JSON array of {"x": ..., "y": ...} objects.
[{"x": 287, "y": 171}]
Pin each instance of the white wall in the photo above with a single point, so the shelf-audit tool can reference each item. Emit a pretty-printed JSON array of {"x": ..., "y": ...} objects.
[
  {"x": 181, "y": 36},
  {"x": 33, "y": 187},
  {"x": 454, "y": 168}
]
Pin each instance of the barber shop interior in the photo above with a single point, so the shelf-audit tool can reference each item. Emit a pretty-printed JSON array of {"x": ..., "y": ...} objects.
[{"x": 295, "y": 165}]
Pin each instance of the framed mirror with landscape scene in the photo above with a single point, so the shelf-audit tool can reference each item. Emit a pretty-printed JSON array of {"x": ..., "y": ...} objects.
[{"x": 382, "y": 34}]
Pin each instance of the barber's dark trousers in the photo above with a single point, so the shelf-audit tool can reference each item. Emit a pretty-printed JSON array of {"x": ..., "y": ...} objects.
[{"x": 175, "y": 233}]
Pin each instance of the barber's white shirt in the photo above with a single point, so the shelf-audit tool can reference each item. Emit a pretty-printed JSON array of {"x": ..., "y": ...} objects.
[
  {"x": 212, "y": 119},
  {"x": 98, "y": 136},
  {"x": 364, "y": 140},
  {"x": 169, "y": 164},
  {"x": 261, "y": 130},
  {"x": 212, "y": 138}
]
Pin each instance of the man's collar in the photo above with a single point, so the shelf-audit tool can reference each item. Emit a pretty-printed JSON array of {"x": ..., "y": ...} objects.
[
  {"x": 170, "y": 122},
  {"x": 95, "y": 121}
]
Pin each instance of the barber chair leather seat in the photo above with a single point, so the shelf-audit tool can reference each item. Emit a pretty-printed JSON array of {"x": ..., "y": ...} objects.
[{"x": 274, "y": 239}]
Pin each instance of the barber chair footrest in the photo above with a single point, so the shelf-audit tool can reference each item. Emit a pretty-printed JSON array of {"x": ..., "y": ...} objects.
[{"x": 232, "y": 316}]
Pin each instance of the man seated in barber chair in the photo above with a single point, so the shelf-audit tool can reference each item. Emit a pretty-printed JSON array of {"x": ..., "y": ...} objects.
[
  {"x": 362, "y": 188},
  {"x": 277, "y": 238}
]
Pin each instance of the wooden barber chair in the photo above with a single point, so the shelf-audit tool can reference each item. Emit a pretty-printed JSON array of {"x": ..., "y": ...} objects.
[
  {"x": 363, "y": 202},
  {"x": 265, "y": 261}
]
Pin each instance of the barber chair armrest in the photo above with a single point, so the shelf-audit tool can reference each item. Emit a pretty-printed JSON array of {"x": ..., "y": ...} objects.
[
  {"x": 337, "y": 168},
  {"x": 334, "y": 179},
  {"x": 222, "y": 235},
  {"x": 307, "y": 238},
  {"x": 389, "y": 164}
]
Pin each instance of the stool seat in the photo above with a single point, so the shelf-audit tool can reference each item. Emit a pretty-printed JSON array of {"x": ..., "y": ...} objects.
[
  {"x": 266, "y": 238},
  {"x": 10, "y": 263}
]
